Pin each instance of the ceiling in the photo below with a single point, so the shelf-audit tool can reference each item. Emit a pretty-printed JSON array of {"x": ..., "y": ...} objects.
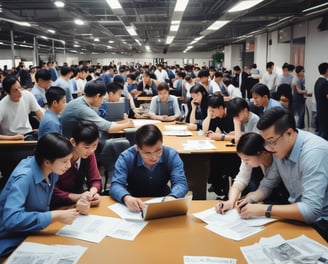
[{"x": 151, "y": 20}]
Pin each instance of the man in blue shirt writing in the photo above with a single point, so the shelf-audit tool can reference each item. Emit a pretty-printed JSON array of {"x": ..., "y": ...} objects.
[{"x": 145, "y": 169}]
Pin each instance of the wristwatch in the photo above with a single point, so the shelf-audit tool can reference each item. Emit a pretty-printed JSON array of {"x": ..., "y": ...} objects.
[{"x": 268, "y": 211}]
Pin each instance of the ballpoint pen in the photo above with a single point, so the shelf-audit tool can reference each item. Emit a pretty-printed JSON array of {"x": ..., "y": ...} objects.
[{"x": 141, "y": 211}]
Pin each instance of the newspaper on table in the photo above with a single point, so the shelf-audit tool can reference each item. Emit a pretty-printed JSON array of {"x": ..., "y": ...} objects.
[
  {"x": 206, "y": 259},
  {"x": 276, "y": 249},
  {"x": 36, "y": 253}
]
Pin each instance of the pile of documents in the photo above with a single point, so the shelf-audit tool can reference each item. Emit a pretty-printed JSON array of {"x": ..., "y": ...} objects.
[
  {"x": 276, "y": 249},
  {"x": 230, "y": 225}
]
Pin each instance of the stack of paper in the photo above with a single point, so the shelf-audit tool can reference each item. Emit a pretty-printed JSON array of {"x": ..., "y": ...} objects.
[
  {"x": 198, "y": 145},
  {"x": 29, "y": 252},
  {"x": 175, "y": 130},
  {"x": 278, "y": 250},
  {"x": 230, "y": 225}
]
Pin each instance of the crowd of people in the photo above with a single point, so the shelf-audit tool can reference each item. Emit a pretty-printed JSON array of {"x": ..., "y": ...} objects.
[{"x": 280, "y": 170}]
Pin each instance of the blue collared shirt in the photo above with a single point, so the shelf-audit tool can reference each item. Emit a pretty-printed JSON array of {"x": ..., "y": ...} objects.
[
  {"x": 272, "y": 103},
  {"x": 24, "y": 204},
  {"x": 49, "y": 123},
  {"x": 132, "y": 177},
  {"x": 305, "y": 175}
]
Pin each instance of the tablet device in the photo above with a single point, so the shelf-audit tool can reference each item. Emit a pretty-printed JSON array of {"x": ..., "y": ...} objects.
[
  {"x": 115, "y": 110},
  {"x": 170, "y": 208}
]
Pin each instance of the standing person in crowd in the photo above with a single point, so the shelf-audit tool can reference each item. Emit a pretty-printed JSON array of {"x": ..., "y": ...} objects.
[
  {"x": 64, "y": 82},
  {"x": 24, "y": 202},
  {"x": 240, "y": 81},
  {"x": 300, "y": 161},
  {"x": 164, "y": 107},
  {"x": 299, "y": 93},
  {"x": 82, "y": 180},
  {"x": 321, "y": 97},
  {"x": 144, "y": 170},
  {"x": 270, "y": 78},
  {"x": 197, "y": 107},
  {"x": 286, "y": 76},
  {"x": 50, "y": 121}
]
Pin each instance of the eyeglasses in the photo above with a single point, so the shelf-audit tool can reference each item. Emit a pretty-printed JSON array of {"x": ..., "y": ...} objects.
[
  {"x": 272, "y": 143},
  {"x": 156, "y": 153}
]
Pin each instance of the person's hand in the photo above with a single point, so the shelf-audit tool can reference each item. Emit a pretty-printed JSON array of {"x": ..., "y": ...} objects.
[
  {"x": 213, "y": 136},
  {"x": 95, "y": 200},
  {"x": 224, "y": 206},
  {"x": 249, "y": 210},
  {"x": 192, "y": 127},
  {"x": 236, "y": 121},
  {"x": 308, "y": 94},
  {"x": 64, "y": 216},
  {"x": 134, "y": 204},
  {"x": 17, "y": 137},
  {"x": 164, "y": 118},
  {"x": 83, "y": 206},
  {"x": 130, "y": 123}
]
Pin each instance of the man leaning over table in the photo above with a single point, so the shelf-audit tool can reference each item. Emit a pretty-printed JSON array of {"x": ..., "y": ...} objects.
[
  {"x": 145, "y": 169},
  {"x": 300, "y": 161}
]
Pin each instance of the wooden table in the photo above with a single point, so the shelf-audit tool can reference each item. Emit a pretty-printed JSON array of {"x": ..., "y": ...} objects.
[
  {"x": 196, "y": 162},
  {"x": 167, "y": 240}
]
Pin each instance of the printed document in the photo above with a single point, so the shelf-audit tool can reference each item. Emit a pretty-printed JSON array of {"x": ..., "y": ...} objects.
[{"x": 204, "y": 260}]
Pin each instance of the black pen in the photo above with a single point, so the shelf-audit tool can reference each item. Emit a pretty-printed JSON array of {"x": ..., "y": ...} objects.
[{"x": 141, "y": 211}]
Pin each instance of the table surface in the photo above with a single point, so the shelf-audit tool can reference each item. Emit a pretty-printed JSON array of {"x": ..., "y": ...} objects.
[{"x": 167, "y": 240}]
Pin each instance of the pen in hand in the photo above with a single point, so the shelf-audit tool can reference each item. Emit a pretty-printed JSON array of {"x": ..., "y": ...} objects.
[{"x": 141, "y": 211}]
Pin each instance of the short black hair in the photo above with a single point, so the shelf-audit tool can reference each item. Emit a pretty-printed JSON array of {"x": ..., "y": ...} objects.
[
  {"x": 215, "y": 101},
  {"x": 119, "y": 80},
  {"x": 299, "y": 68},
  {"x": 85, "y": 131},
  {"x": 52, "y": 146},
  {"x": 131, "y": 76},
  {"x": 65, "y": 70},
  {"x": 218, "y": 74},
  {"x": 54, "y": 93},
  {"x": 94, "y": 87},
  {"x": 261, "y": 89},
  {"x": 114, "y": 87},
  {"x": 323, "y": 67},
  {"x": 9, "y": 81},
  {"x": 236, "y": 68},
  {"x": 43, "y": 75},
  {"x": 148, "y": 135},
  {"x": 236, "y": 105},
  {"x": 163, "y": 86},
  {"x": 269, "y": 64},
  {"x": 281, "y": 118},
  {"x": 198, "y": 88},
  {"x": 251, "y": 144},
  {"x": 203, "y": 73}
]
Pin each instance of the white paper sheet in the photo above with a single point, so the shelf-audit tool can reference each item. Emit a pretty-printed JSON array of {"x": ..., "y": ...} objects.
[
  {"x": 176, "y": 127},
  {"x": 36, "y": 253},
  {"x": 123, "y": 211},
  {"x": 198, "y": 145},
  {"x": 178, "y": 133},
  {"x": 91, "y": 228},
  {"x": 205, "y": 259},
  {"x": 141, "y": 122},
  {"x": 125, "y": 229}
]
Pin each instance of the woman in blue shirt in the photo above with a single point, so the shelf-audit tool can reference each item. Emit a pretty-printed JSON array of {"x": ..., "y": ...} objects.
[{"x": 24, "y": 201}]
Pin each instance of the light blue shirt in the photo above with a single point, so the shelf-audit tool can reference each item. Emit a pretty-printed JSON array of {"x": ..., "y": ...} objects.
[
  {"x": 49, "y": 123},
  {"x": 305, "y": 175},
  {"x": 155, "y": 107},
  {"x": 272, "y": 103},
  {"x": 40, "y": 95},
  {"x": 24, "y": 204}
]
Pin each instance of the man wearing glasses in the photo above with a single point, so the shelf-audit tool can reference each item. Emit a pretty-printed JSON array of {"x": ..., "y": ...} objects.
[
  {"x": 300, "y": 161},
  {"x": 145, "y": 169}
]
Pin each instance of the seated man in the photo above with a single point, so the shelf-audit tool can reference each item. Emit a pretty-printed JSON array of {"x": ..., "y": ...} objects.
[
  {"x": 164, "y": 107},
  {"x": 261, "y": 97},
  {"x": 82, "y": 179},
  {"x": 300, "y": 161},
  {"x": 50, "y": 122},
  {"x": 145, "y": 170},
  {"x": 43, "y": 82}
]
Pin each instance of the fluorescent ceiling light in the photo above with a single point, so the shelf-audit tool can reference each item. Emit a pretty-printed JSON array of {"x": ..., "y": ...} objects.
[
  {"x": 44, "y": 37},
  {"x": 314, "y": 7},
  {"x": 114, "y": 4},
  {"x": 174, "y": 27},
  {"x": 79, "y": 22},
  {"x": 51, "y": 31},
  {"x": 109, "y": 47},
  {"x": 169, "y": 40},
  {"x": 279, "y": 21},
  {"x": 174, "y": 22},
  {"x": 147, "y": 47},
  {"x": 59, "y": 4},
  {"x": 243, "y": 5},
  {"x": 110, "y": 41},
  {"x": 25, "y": 24},
  {"x": 137, "y": 40},
  {"x": 131, "y": 31},
  {"x": 218, "y": 24},
  {"x": 96, "y": 39},
  {"x": 76, "y": 46},
  {"x": 180, "y": 6}
]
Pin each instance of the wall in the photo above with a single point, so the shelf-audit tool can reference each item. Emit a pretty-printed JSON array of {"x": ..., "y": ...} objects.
[{"x": 232, "y": 55}]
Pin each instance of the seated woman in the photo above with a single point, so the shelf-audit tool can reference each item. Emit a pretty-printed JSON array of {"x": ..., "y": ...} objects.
[
  {"x": 256, "y": 162},
  {"x": 197, "y": 107},
  {"x": 83, "y": 172},
  {"x": 164, "y": 107},
  {"x": 24, "y": 201}
]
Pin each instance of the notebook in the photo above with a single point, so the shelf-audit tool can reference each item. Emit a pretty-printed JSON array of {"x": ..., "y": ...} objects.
[
  {"x": 159, "y": 209},
  {"x": 116, "y": 110}
]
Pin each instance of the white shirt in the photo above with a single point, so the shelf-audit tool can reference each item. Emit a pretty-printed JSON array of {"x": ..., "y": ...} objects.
[
  {"x": 270, "y": 80},
  {"x": 14, "y": 115},
  {"x": 161, "y": 75}
]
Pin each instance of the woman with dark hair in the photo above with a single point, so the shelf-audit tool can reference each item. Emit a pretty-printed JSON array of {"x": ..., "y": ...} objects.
[
  {"x": 256, "y": 161},
  {"x": 24, "y": 201},
  {"x": 197, "y": 107},
  {"x": 82, "y": 180}
]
